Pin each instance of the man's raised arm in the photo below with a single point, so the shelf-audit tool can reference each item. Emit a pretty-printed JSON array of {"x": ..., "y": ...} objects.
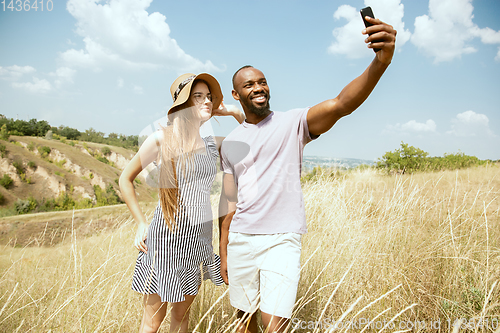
[{"x": 323, "y": 116}]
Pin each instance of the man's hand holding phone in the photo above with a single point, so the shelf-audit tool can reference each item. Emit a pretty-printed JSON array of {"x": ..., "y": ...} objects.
[{"x": 381, "y": 36}]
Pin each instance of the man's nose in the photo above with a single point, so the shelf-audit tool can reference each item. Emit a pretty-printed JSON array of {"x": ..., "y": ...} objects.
[{"x": 258, "y": 87}]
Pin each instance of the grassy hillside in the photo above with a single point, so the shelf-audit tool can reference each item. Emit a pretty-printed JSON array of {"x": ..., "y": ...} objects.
[
  {"x": 408, "y": 253},
  {"x": 49, "y": 168}
]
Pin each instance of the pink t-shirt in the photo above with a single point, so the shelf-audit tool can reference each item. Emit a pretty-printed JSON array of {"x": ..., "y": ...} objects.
[{"x": 266, "y": 160}]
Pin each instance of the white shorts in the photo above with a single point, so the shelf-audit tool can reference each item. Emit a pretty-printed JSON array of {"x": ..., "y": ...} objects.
[{"x": 264, "y": 268}]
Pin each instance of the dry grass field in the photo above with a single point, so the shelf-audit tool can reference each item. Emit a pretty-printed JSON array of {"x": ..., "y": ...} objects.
[{"x": 410, "y": 253}]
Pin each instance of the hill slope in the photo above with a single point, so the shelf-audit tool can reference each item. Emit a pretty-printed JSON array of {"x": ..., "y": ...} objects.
[{"x": 44, "y": 173}]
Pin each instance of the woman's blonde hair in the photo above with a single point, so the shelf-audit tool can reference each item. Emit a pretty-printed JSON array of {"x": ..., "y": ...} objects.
[{"x": 177, "y": 149}]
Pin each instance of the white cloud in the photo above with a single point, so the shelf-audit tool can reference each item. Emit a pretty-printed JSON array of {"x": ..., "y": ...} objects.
[
  {"x": 15, "y": 72},
  {"x": 469, "y": 123},
  {"x": 413, "y": 127},
  {"x": 489, "y": 36},
  {"x": 41, "y": 86},
  {"x": 63, "y": 75},
  {"x": 445, "y": 33},
  {"x": 348, "y": 39},
  {"x": 121, "y": 32},
  {"x": 120, "y": 82},
  {"x": 38, "y": 85},
  {"x": 138, "y": 90}
]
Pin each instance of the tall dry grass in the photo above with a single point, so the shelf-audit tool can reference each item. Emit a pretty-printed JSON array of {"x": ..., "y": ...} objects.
[{"x": 382, "y": 253}]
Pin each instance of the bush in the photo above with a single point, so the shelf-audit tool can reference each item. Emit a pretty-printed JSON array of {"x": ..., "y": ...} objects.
[
  {"x": 2, "y": 199},
  {"x": 107, "y": 197},
  {"x": 19, "y": 166},
  {"x": 22, "y": 206},
  {"x": 25, "y": 206},
  {"x": 6, "y": 181},
  {"x": 31, "y": 146},
  {"x": 106, "y": 151},
  {"x": 28, "y": 180},
  {"x": 60, "y": 163},
  {"x": 83, "y": 203},
  {"x": 3, "y": 150},
  {"x": 44, "y": 151},
  {"x": 102, "y": 159},
  {"x": 31, "y": 165},
  {"x": 406, "y": 159},
  {"x": 411, "y": 159}
]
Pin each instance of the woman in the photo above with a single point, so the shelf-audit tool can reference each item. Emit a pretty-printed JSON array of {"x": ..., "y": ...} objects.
[{"x": 179, "y": 238}]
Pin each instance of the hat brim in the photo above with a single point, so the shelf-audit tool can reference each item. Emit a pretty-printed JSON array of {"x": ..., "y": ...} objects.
[{"x": 213, "y": 86}]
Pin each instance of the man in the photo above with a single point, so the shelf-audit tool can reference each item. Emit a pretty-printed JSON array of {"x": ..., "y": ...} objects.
[{"x": 261, "y": 226}]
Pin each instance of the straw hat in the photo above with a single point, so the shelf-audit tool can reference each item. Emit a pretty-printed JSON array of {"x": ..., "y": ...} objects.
[{"x": 181, "y": 89}]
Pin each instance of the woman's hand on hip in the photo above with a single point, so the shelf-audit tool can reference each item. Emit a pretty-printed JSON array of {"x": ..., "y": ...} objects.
[{"x": 140, "y": 237}]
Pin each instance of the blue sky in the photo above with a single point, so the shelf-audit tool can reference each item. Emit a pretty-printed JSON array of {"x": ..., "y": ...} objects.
[{"x": 109, "y": 65}]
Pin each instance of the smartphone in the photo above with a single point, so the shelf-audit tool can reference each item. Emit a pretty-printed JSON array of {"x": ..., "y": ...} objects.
[{"x": 367, "y": 12}]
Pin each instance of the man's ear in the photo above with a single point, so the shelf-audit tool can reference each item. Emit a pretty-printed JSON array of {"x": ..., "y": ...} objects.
[{"x": 236, "y": 96}]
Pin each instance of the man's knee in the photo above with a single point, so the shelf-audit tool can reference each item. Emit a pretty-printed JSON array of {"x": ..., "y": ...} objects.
[
  {"x": 244, "y": 316},
  {"x": 274, "y": 323}
]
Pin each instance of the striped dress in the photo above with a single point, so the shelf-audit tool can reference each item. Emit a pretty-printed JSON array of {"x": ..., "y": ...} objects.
[{"x": 177, "y": 262}]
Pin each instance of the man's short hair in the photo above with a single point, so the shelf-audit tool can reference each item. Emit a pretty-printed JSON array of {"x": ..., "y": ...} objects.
[{"x": 236, "y": 73}]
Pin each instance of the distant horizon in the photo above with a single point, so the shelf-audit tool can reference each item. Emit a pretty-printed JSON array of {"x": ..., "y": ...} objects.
[{"x": 305, "y": 155}]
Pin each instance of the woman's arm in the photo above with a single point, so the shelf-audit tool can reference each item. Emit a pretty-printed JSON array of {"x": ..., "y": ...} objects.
[
  {"x": 229, "y": 110},
  {"x": 146, "y": 154},
  {"x": 227, "y": 208}
]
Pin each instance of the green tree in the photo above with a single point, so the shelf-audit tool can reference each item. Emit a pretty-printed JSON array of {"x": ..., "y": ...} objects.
[
  {"x": 68, "y": 132},
  {"x": 41, "y": 128},
  {"x": 406, "y": 159},
  {"x": 4, "y": 132},
  {"x": 92, "y": 135},
  {"x": 21, "y": 127}
]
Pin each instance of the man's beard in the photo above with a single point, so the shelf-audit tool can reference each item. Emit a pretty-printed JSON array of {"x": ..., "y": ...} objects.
[{"x": 259, "y": 110}]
